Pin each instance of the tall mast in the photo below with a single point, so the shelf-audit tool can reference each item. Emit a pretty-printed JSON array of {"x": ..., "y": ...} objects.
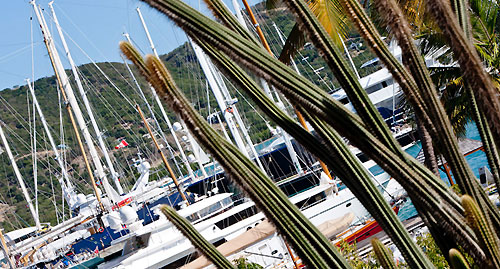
[
  {"x": 172, "y": 175},
  {"x": 160, "y": 130},
  {"x": 266, "y": 46},
  {"x": 66, "y": 186},
  {"x": 97, "y": 131},
  {"x": 69, "y": 98},
  {"x": 196, "y": 149},
  {"x": 35, "y": 168},
  {"x": 236, "y": 114},
  {"x": 160, "y": 105},
  {"x": 19, "y": 178},
  {"x": 221, "y": 101},
  {"x": 286, "y": 136}
]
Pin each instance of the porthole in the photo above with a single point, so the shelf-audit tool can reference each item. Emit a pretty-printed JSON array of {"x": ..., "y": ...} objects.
[{"x": 348, "y": 205}]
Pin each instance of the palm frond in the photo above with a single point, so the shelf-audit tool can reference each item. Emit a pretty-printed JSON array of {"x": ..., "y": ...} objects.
[
  {"x": 294, "y": 42},
  {"x": 330, "y": 14}
]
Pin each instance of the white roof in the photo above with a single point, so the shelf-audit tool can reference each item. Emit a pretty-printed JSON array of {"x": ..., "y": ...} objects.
[
  {"x": 13, "y": 235},
  {"x": 193, "y": 208}
]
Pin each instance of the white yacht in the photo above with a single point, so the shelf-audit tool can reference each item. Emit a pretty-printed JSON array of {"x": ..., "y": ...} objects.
[{"x": 160, "y": 244}]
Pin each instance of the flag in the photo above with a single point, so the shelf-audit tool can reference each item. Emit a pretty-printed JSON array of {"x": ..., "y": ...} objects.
[{"x": 122, "y": 144}]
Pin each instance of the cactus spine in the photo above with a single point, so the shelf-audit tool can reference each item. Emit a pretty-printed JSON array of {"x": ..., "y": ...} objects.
[
  {"x": 198, "y": 241},
  {"x": 383, "y": 255},
  {"x": 484, "y": 231},
  {"x": 457, "y": 260}
]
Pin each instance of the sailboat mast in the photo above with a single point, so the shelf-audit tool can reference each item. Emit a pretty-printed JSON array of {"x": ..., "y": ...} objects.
[
  {"x": 19, "y": 178},
  {"x": 228, "y": 117},
  {"x": 65, "y": 185},
  {"x": 48, "y": 43},
  {"x": 160, "y": 105},
  {"x": 5, "y": 250},
  {"x": 160, "y": 130},
  {"x": 170, "y": 171},
  {"x": 266, "y": 46},
  {"x": 34, "y": 159},
  {"x": 102, "y": 145},
  {"x": 66, "y": 86},
  {"x": 236, "y": 113}
]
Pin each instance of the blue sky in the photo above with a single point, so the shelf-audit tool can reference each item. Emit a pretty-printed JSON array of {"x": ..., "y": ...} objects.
[{"x": 95, "y": 25}]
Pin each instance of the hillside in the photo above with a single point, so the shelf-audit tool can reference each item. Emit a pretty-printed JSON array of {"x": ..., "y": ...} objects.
[{"x": 118, "y": 119}]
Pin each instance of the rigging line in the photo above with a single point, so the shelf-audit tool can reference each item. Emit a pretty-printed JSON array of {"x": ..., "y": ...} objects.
[
  {"x": 86, "y": 55},
  {"x": 9, "y": 195},
  {"x": 141, "y": 93},
  {"x": 34, "y": 152},
  {"x": 115, "y": 114},
  {"x": 17, "y": 153},
  {"x": 5, "y": 213},
  {"x": 310, "y": 66},
  {"x": 32, "y": 50},
  {"x": 6, "y": 57},
  {"x": 18, "y": 137},
  {"x": 136, "y": 45},
  {"x": 20, "y": 118},
  {"x": 244, "y": 98},
  {"x": 100, "y": 70}
]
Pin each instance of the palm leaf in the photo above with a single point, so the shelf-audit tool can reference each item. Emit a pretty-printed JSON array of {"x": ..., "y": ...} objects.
[
  {"x": 428, "y": 192},
  {"x": 330, "y": 14},
  {"x": 294, "y": 42}
]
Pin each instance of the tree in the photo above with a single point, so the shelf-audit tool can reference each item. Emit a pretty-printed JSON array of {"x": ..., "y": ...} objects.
[{"x": 438, "y": 206}]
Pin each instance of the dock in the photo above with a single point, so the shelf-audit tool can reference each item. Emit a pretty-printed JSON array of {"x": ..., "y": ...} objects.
[{"x": 364, "y": 247}]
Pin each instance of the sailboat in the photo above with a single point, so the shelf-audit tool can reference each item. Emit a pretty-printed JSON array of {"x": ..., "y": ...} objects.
[{"x": 123, "y": 227}]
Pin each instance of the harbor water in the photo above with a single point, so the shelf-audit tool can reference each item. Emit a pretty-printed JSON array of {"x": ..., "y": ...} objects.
[{"x": 475, "y": 160}]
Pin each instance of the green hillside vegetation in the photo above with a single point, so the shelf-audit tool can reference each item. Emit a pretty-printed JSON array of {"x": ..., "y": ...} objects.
[{"x": 119, "y": 120}]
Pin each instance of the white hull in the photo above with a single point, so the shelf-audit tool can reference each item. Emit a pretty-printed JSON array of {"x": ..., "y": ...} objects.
[{"x": 166, "y": 244}]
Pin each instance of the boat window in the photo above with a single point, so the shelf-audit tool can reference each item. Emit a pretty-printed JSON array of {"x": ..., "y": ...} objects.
[
  {"x": 241, "y": 215},
  {"x": 192, "y": 217},
  {"x": 312, "y": 200},
  {"x": 379, "y": 86},
  {"x": 210, "y": 209},
  {"x": 374, "y": 88},
  {"x": 227, "y": 201}
]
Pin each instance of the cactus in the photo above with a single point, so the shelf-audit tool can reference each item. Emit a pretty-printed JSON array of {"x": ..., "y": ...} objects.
[
  {"x": 469, "y": 62},
  {"x": 383, "y": 255},
  {"x": 457, "y": 260},
  {"x": 313, "y": 248},
  {"x": 198, "y": 241},
  {"x": 427, "y": 192},
  {"x": 484, "y": 231},
  {"x": 424, "y": 99},
  {"x": 425, "y": 189},
  {"x": 440, "y": 126},
  {"x": 338, "y": 157}
]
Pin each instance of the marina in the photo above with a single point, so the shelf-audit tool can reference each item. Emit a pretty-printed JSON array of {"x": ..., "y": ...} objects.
[{"x": 269, "y": 154}]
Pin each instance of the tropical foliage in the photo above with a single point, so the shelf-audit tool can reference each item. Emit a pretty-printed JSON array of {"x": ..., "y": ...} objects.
[
  {"x": 440, "y": 208},
  {"x": 118, "y": 119}
]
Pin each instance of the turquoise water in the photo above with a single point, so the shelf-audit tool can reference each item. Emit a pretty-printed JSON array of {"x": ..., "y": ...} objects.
[{"x": 475, "y": 160}]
